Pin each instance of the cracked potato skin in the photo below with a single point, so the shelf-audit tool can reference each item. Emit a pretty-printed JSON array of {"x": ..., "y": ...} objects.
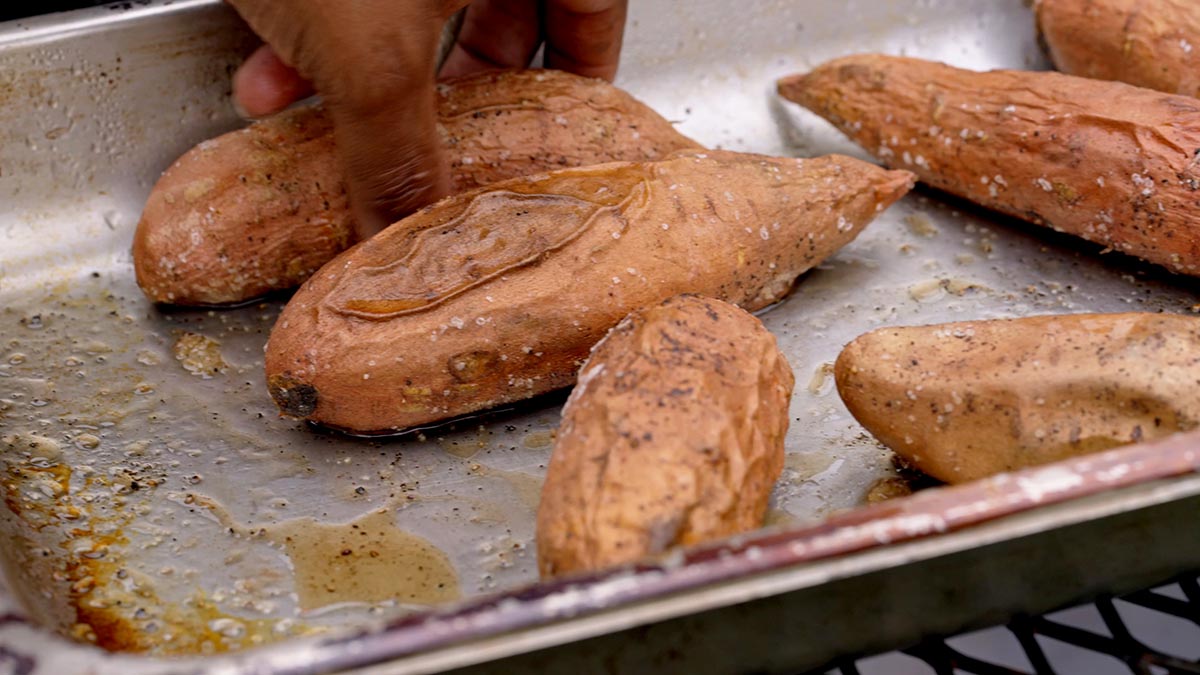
[
  {"x": 1115, "y": 164},
  {"x": 1147, "y": 43},
  {"x": 674, "y": 436},
  {"x": 963, "y": 401},
  {"x": 497, "y": 295},
  {"x": 260, "y": 209}
]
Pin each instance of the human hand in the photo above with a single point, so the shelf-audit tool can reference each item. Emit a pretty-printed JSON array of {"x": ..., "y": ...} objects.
[
  {"x": 374, "y": 64},
  {"x": 581, "y": 36},
  {"x": 374, "y": 61}
]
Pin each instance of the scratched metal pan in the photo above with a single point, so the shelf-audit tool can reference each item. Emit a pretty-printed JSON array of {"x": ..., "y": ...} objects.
[{"x": 159, "y": 517}]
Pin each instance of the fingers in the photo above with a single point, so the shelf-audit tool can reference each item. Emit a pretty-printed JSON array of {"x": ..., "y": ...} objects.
[
  {"x": 377, "y": 79},
  {"x": 373, "y": 62},
  {"x": 584, "y": 36},
  {"x": 495, "y": 34},
  {"x": 393, "y": 159},
  {"x": 264, "y": 84}
]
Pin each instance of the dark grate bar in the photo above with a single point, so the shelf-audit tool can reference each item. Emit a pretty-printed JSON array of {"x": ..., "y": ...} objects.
[
  {"x": 947, "y": 661},
  {"x": 1072, "y": 642}
]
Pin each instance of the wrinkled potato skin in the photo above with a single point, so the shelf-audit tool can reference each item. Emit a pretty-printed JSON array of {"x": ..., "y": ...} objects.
[
  {"x": 1148, "y": 43},
  {"x": 963, "y": 401},
  {"x": 497, "y": 295},
  {"x": 261, "y": 209},
  {"x": 1105, "y": 161},
  {"x": 673, "y": 436}
]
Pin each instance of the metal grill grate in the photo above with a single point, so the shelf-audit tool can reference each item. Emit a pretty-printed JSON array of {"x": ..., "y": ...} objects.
[{"x": 1150, "y": 632}]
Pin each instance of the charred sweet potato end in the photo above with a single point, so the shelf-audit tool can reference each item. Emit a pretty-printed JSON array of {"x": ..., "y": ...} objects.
[{"x": 294, "y": 398}]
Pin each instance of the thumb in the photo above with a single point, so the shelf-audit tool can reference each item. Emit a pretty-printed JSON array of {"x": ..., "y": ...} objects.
[{"x": 264, "y": 84}]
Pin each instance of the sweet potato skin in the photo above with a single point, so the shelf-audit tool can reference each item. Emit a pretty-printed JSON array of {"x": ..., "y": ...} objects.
[
  {"x": 963, "y": 401},
  {"x": 243, "y": 214},
  {"x": 496, "y": 295},
  {"x": 673, "y": 436},
  {"x": 262, "y": 208},
  {"x": 1147, "y": 43},
  {"x": 1114, "y": 164}
]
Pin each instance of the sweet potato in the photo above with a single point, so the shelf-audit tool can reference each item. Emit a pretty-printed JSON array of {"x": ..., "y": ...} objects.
[
  {"x": 673, "y": 436},
  {"x": 262, "y": 208},
  {"x": 1114, "y": 164},
  {"x": 967, "y": 400},
  {"x": 496, "y": 295},
  {"x": 1148, "y": 43}
]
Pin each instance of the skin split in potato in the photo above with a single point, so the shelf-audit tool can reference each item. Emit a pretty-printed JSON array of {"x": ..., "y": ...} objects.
[
  {"x": 1114, "y": 164},
  {"x": 673, "y": 436},
  {"x": 261, "y": 209},
  {"x": 497, "y": 295},
  {"x": 1148, "y": 43},
  {"x": 963, "y": 401}
]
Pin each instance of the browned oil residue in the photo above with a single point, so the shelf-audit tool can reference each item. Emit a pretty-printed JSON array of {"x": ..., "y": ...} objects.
[
  {"x": 527, "y": 487},
  {"x": 538, "y": 439},
  {"x": 369, "y": 560},
  {"x": 463, "y": 447},
  {"x": 199, "y": 354},
  {"x": 53, "y": 481},
  {"x": 806, "y": 465},
  {"x": 42, "y": 481},
  {"x": 111, "y": 610},
  {"x": 888, "y": 488},
  {"x": 196, "y": 626},
  {"x": 72, "y": 532},
  {"x": 778, "y": 518},
  {"x": 121, "y": 617}
]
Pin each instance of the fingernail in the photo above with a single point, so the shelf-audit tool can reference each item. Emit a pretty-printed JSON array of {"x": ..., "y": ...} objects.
[{"x": 241, "y": 112}]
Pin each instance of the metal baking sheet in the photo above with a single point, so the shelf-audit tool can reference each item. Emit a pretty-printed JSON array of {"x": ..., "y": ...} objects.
[{"x": 156, "y": 505}]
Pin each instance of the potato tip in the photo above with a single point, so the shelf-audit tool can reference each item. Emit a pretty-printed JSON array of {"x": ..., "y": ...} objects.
[
  {"x": 294, "y": 398},
  {"x": 789, "y": 87},
  {"x": 897, "y": 184}
]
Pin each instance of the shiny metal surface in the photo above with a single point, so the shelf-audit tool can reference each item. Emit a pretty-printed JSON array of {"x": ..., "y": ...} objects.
[{"x": 145, "y": 501}]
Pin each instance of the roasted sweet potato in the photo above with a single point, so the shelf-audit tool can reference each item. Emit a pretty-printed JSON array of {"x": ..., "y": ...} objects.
[
  {"x": 962, "y": 401},
  {"x": 1148, "y": 43},
  {"x": 262, "y": 208},
  {"x": 673, "y": 436},
  {"x": 496, "y": 295},
  {"x": 1114, "y": 164}
]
